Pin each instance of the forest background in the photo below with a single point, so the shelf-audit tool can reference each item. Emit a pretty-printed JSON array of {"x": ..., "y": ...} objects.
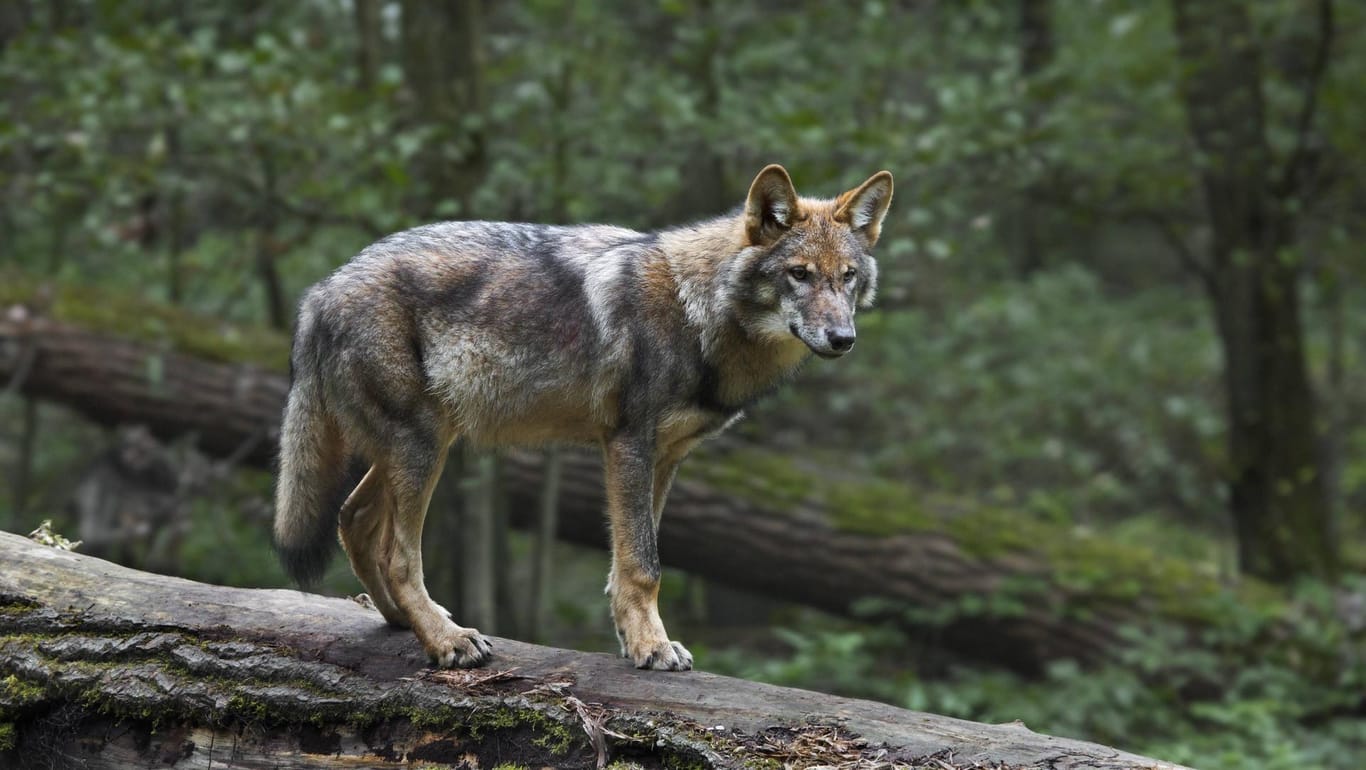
[{"x": 1120, "y": 329}]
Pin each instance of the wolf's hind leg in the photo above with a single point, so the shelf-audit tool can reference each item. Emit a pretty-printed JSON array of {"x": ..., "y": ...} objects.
[
  {"x": 411, "y": 476},
  {"x": 365, "y": 527}
]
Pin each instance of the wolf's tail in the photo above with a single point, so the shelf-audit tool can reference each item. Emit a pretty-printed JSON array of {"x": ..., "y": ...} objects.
[{"x": 313, "y": 473}]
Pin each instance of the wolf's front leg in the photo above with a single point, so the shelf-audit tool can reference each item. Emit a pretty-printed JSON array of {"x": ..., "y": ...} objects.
[{"x": 634, "y": 581}]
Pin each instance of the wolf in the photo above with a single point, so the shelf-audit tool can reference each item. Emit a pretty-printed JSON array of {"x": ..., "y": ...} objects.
[{"x": 642, "y": 344}]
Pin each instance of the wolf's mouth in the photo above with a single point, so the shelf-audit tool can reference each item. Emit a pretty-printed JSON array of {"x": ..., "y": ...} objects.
[{"x": 826, "y": 354}]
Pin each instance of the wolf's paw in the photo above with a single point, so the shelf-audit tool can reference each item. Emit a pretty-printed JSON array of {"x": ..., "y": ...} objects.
[
  {"x": 662, "y": 656},
  {"x": 460, "y": 648}
]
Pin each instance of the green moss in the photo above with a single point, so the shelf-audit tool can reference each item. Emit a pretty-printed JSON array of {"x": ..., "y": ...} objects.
[
  {"x": 15, "y": 692},
  {"x": 141, "y": 319},
  {"x": 8, "y": 736},
  {"x": 549, "y": 733},
  {"x": 674, "y": 761},
  {"x": 555, "y": 737},
  {"x": 1088, "y": 568},
  {"x": 761, "y": 477},
  {"x": 509, "y": 766},
  {"x": 16, "y": 605},
  {"x": 248, "y": 709},
  {"x": 875, "y": 508}
]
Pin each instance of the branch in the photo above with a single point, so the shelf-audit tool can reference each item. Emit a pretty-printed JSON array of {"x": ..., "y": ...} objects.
[
  {"x": 1183, "y": 251},
  {"x": 298, "y": 210},
  {"x": 110, "y": 667},
  {"x": 1290, "y": 180}
]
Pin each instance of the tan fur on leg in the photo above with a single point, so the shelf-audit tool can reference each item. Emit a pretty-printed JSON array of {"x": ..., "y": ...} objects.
[
  {"x": 364, "y": 526},
  {"x": 446, "y": 643},
  {"x": 634, "y": 581},
  {"x": 635, "y": 611}
]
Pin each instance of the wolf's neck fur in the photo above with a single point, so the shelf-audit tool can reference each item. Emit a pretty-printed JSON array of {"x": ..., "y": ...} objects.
[{"x": 707, "y": 261}]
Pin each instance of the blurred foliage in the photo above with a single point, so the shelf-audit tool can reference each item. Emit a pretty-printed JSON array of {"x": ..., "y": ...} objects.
[
  {"x": 196, "y": 151},
  {"x": 1197, "y": 702}
]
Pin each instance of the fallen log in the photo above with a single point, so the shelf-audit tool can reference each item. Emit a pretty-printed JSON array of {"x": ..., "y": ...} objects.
[
  {"x": 744, "y": 517},
  {"x": 102, "y": 666}
]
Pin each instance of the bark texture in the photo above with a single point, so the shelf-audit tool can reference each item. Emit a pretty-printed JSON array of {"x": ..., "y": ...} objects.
[
  {"x": 1277, "y": 493},
  {"x": 722, "y": 520},
  {"x": 103, "y": 667}
]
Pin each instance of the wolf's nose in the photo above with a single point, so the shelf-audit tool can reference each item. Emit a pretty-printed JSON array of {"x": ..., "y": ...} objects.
[{"x": 840, "y": 339}]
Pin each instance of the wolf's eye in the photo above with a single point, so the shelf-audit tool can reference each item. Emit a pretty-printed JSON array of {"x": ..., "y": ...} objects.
[
  {"x": 849, "y": 274},
  {"x": 798, "y": 273}
]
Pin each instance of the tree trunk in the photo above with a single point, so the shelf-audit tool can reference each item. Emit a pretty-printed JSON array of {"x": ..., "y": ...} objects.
[
  {"x": 23, "y": 461},
  {"x": 1036, "y": 52},
  {"x": 14, "y": 21},
  {"x": 272, "y": 289},
  {"x": 1276, "y": 490},
  {"x": 479, "y": 600},
  {"x": 741, "y": 528},
  {"x": 703, "y": 191},
  {"x": 110, "y": 667},
  {"x": 443, "y": 67},
  {"x": 369, "y": 42},
  {"x": 543, "y": 554}
]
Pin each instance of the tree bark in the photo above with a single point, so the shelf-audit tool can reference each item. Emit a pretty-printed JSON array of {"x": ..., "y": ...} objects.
[
  {"x": 1036, "y": 53},
  {"x": 758, "y": 537},
  {"x": 369, "y": 42},
  {"x": 1277, "y": 492},
  {"x": 14, "y": 21},
  {"x": 110, "y": 667},
  {"x": 443, "y": 67},
  {"x": 477, "y": 542},
  {"x": 543, "y": 553}
]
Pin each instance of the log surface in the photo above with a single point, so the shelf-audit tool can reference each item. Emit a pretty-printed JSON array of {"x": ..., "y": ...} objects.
[{"x": 104, "y": 666}]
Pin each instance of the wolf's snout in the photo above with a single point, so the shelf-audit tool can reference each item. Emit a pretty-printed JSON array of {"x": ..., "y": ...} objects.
[{"x": 841, "y": 340}]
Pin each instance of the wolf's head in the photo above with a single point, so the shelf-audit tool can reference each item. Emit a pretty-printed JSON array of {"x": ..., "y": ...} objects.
[{"x": 808, "y": 264}]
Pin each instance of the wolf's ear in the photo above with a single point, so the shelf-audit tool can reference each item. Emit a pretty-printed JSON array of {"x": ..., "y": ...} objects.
[
  {"x": 771, "y": 206},
  {"x": 863, "y": 207}
]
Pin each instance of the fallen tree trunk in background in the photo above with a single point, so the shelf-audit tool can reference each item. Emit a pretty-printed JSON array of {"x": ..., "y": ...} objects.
[
  {"x": 102, "y": 666},
  {"x": 741, "y": 518}
]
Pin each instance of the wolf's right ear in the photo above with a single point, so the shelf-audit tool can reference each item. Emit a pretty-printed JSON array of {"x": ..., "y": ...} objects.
[
  {"x": 771, "y": 206},
  {"x": 863, "y": 207}
]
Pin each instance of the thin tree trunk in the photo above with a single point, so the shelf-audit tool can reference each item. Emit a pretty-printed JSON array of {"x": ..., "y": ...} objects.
[
  {"x": 703, "y": 191},
  {"x": 369, "y": 47},
  {"x": 272, "y": 289},
  {"x": 547, "y": 521},
  {"x": 14, "y": 21},
  {"x": 1036, "y": 53},
  {"x": 23, "y": 463},
  {"x": 444, "y": 536},
  {"x": 176, "y": 215},
  {"x": 1336, "y": 439},
  {"x": 1277, "y": 492},
  {"x": 505, "y": 600},
  {"x": 478, "y": 586},
  {"x": 443, "y": 66}
]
